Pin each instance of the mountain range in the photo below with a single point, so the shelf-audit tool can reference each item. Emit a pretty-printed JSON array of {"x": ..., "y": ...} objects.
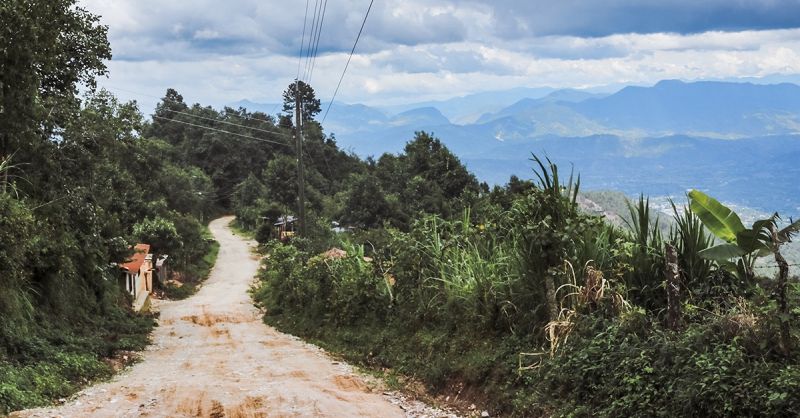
[{"x": 737, "y": 140}]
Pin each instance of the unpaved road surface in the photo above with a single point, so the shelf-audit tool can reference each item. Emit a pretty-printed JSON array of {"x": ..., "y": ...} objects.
[{"x": 212, "y": 356}]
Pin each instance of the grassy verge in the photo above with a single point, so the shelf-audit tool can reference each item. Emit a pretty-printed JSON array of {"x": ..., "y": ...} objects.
[
  {"x": 238, "y": 230},
  {"x": 58, "y": 359},
  {"x": 466, "y": 367},
  {"x": 608, "y": 363},
  {"x": 197, "y": 272}
]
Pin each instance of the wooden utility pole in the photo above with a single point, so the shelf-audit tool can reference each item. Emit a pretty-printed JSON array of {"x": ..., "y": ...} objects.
[
  {"x": 299, "y": 147},
  {"x": 672, "y": 279}
]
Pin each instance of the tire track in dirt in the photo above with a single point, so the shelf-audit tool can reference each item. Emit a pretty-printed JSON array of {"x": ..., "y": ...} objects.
[{"x": 212, "y": 356}]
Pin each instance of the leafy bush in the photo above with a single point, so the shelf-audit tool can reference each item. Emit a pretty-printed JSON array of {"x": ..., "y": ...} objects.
[
  {"x": 620, "y": 369},
  {"x": 455, "y": 303}
]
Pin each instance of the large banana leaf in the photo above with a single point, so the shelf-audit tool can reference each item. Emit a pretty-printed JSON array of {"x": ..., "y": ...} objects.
[
  {"x": 719, "y": 219},
  {"x": 722, "y": 252}
]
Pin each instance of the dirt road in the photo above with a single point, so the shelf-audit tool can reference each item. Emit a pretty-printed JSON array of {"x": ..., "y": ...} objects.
[{"x": 212, "y": 356}]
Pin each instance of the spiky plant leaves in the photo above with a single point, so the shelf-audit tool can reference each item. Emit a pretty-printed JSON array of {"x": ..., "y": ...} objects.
[{"x": 787, "y": 233}]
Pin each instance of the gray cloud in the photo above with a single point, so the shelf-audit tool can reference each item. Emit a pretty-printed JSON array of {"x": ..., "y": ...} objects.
[
  {"x": 425, "y": 49},
  {"x": 586, "y": 18},
  {"x": 155, "y": 27}
]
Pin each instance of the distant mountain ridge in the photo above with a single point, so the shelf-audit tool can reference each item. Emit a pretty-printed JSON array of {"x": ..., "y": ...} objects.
[
  {"x": 712, "y": 109},
  {"x": 741, "y": 140}
]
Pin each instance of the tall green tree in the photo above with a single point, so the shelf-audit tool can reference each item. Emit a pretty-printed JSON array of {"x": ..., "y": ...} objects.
[
  {"x": 308, "y": 100},
  {"x": 49, "y": 49}
]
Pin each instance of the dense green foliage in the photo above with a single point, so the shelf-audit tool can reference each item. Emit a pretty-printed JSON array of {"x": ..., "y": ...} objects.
[
  {"x": 514, "y": 294},
  {"x": 538, "y": 308},
  {"x": 79, "y": 185}
]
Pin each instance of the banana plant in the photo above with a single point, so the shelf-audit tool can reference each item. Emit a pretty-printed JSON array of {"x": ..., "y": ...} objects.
[{"x": 739, "y": 243}]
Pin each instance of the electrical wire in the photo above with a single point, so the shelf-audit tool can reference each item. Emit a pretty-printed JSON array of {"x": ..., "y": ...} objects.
[
  {"x": 316, "y": 45},
  {"x": 223, "y": 131},
  {"x": 348, "y": 61},
  {"x": 302, "y": 42},
  {"x": 230, "y": 123},
  {"x": 310, "y": 49}
]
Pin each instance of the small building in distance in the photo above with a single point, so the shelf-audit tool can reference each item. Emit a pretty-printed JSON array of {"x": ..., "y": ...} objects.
[
  {"x": 137, "y": 276},
  {"x": 285, "y": 227}
]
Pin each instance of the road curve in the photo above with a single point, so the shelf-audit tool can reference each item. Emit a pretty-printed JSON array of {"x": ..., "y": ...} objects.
[{"x": 212, "y": 356}]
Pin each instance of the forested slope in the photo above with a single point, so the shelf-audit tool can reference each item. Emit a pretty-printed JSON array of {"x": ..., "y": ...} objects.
[{"x": 512, "y": 295}]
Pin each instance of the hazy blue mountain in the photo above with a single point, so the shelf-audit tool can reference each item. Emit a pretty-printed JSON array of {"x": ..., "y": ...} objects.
[
  {"x": 467, "y": 109},
  {"x": 268, "y": 108},
  {"x": 759, "y": 172},
  {"x": 571, "y": 96},
  {"x": 344, "y": 119},
  {"x": 660, "y": 140},
  {"x": 735, "y": 109},
  {"x": 425, "y": 116}
]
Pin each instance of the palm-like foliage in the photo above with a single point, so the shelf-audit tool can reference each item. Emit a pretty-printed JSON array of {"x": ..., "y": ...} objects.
[{"x": 744, "y": 245}]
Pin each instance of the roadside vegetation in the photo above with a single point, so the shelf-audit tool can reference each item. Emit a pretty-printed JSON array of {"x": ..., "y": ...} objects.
[
  {"x": 192, "y": 277},
  {"x": 509, "y": 296},
  {"x": 525, "y": 303},
  {"x": 81, "y": 182}
]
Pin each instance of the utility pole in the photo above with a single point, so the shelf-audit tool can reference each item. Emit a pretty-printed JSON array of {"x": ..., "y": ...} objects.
[{"x": 299, "y": 146}]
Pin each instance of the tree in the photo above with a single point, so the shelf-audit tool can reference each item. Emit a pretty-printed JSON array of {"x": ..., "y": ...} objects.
[
  {"x": 280, "y": 177},
  {"x": 49, "y": 49},
  {"x": 308, "y": 101},
  {"x": 168, "y": 109},
  {"x": 365, "y": 205},
  {"x": 160, "y": 233},
  {"x": 428, "y": 157}
]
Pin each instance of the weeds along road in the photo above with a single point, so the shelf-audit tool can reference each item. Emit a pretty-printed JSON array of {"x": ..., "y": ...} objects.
[{"x": 212, "y": 356}]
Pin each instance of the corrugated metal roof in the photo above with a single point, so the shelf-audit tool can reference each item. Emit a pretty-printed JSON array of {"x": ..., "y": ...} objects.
[{"x": 140, "y": 252}]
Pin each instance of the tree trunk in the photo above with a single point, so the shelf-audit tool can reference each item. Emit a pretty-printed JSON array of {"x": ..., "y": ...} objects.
[
  {"x": 780, "y": 292},
  {"x": 672, "y": 278},
  {"x": 550, "y": 293}
]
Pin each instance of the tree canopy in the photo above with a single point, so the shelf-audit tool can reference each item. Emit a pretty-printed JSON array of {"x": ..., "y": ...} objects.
[{"x": 309, "y": 103}]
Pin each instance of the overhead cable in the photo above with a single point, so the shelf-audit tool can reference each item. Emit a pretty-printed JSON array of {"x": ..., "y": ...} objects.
[
  {"x": 222, "y": 131},
  {"x": 310, "y": 48},
  {"x": 230, "y": 123},
  {"x": 348, "y": 61},
  {"x": 302, "y": 42},
  {"x": 316, "y": 44}
]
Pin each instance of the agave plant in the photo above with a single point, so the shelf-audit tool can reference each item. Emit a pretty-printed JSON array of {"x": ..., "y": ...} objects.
[
  {"x": 690, "y": 238},
  {"x": 647, "y": 259}
]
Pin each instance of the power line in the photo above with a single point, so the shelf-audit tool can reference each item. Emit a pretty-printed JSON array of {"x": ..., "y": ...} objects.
[
  {"x": 222, "y": 131},
  {"x": 311, "y": 38},
  {"x": 316, "y": 45},
  {"x": 348, "y": 61},
  {"x": 179, "y": 102},
  {"x": 230, "y": 123},
  {"x": 302, "y": 42}
]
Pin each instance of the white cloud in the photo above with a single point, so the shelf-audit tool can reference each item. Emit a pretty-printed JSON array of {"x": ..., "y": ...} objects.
[{"x": 410, "y": 50}]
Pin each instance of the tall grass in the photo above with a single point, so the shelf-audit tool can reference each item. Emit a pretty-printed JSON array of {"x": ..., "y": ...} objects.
[{"x": 472, "y": 272}]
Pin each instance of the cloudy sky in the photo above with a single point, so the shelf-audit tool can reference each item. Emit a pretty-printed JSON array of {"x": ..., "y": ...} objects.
[{"x": 413, "y": 50}]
